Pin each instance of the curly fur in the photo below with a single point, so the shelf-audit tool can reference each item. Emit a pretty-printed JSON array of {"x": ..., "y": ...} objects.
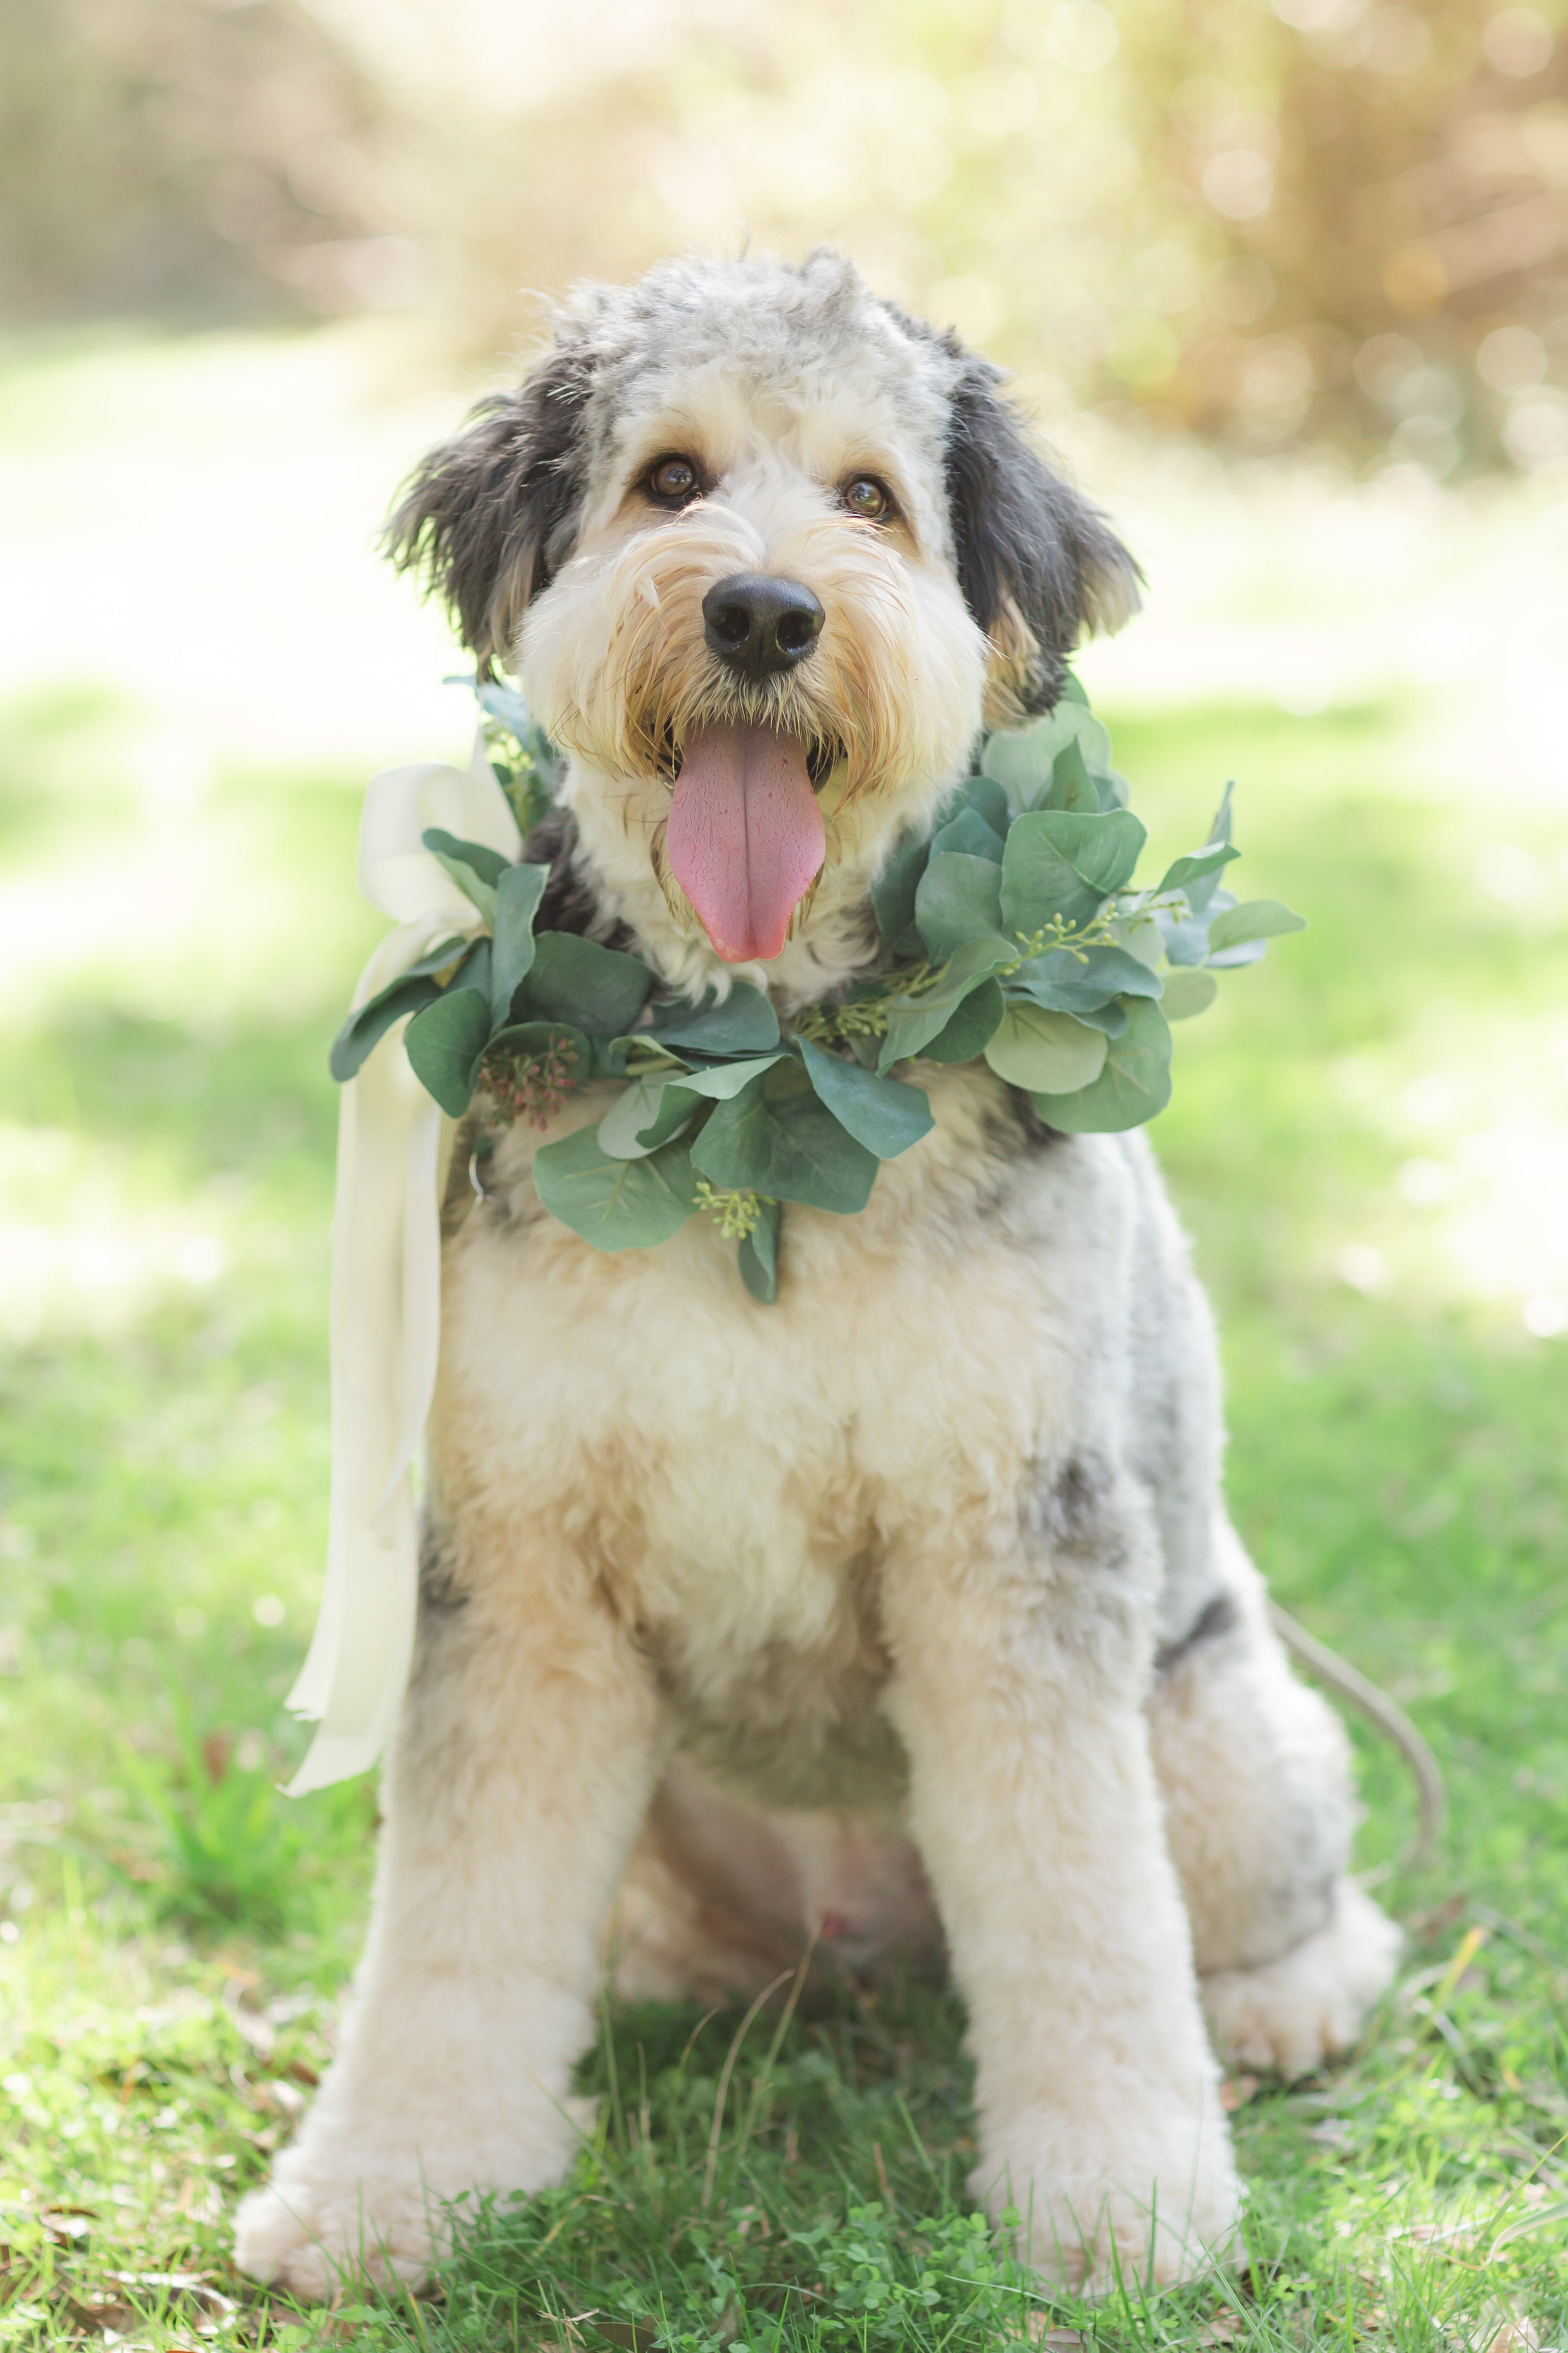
[{"x": 904, "y": 1613}]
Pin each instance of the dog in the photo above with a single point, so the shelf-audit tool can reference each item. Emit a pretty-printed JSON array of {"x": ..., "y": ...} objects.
[{"x": 904, "y": 1614}]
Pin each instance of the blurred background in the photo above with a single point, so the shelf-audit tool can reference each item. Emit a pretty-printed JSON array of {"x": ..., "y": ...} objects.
[{"x": 1287, "y": 287}]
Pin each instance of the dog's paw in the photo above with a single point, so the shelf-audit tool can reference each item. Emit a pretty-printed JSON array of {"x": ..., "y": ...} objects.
[
  {"x": 312, "y": 2235},
  {"x": 1290, "y": 2015},
  {"x": 1163, "y": 2209}
]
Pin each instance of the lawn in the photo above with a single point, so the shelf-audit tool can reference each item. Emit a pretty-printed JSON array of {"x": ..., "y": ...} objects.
[{"x": 1369, "y": 1142}]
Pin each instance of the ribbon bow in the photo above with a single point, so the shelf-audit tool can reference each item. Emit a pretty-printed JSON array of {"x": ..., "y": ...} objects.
[{"x": 385, "y": 1318}]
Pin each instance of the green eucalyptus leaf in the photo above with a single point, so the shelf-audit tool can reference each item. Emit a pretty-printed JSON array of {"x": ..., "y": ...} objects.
[
  {"x": 1186, "y": 936},
  {"x": 968, "y": 833},
  {"x": 971, "y": 1029},
  {"x": 1046, "y": 1053},
  {"x": 959, "y": 899},
  {"x": 1135, "y": 1084},
  {"x": 503, "y": 703},
  {"x": 475, "y": 870},
  {"x": 1077, "y": 980},
  {"x": 1220, "y": 829},
  {"x": 616, "y": 1203},
  {"x": 1073, "y": 689},
  {"x": 759, "y": 1254},
  {"x": 1188, "y": 992},
  {"x": 1022, "y": 759},
  {"x": 1071, "y": 785},
  {"x": 414, "y": 987},
  {"x": 745, "y": 1023},
  {"x": 914, "y": 1021},
  {"x": 574, "y": 979},
  {"x": 1255, "y": 919},
  {"x": 893, "y": 894},
  {"x": 778, "y": 1137},
  {"x": 517, "y": 897},
  {"x": 1111, "y": 1017},
  {"x": 887, "y": 1115},
  {"x": 723, "y": 1080},
  {"x": 986, "y": 796},
  {"x": 1064, "y": 862},
  {"x": 445, "y": 1043},
  {"x": 1197, "y": 866},
  {"x": 646, "y": 1114}
]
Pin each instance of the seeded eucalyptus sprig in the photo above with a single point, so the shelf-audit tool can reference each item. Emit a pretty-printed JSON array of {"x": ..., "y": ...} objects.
[{"x": 1012, "y": 933}]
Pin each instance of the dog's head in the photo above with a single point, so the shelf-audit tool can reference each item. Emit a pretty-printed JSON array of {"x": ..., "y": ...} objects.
[{"x": 762, "y": 551}]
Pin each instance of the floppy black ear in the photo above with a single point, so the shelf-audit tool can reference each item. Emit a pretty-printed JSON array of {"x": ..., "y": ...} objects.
[
  {"x": 487, "y": 518},
  {"x": 1038, "y": 564}
]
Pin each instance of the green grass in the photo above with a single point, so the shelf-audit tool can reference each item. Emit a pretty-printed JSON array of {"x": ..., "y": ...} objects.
[{"x": 174, "y": 1935}]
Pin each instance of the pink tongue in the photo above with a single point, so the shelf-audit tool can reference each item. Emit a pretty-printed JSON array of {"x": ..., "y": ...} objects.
[{"x": 745, "y": 836}]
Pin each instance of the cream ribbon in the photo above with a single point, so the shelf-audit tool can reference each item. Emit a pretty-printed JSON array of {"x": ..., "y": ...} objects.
[{"x": 393, "y": 1143}]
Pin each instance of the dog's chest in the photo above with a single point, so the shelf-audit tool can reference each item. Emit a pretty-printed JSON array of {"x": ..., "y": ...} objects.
[{"x": 738, "y": 1474}]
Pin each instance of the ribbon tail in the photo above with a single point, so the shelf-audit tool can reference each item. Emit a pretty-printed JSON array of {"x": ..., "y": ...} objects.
[{"x": 385, "y": 1309}]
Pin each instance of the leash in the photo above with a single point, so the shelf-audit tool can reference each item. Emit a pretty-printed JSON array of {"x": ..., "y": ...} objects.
[{"x": 1389, "y": 1718}]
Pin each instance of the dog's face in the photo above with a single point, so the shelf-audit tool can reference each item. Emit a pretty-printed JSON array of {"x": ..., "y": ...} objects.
[{"x": 763, "y": 552}]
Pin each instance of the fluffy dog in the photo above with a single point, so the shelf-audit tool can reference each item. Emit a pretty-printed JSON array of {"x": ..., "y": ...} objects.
[{"x": 905, "y": 1612}]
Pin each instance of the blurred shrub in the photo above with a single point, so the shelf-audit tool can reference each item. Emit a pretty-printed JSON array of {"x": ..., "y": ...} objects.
[
  {"x": 184, "y": 158},
  {"x": 1326, "y": 218}
]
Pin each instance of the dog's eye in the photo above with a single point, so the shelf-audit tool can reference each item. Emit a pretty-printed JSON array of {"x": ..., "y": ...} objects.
[
  {"x": 867, "y": 498},
  {"x": 673, "y": 481}
]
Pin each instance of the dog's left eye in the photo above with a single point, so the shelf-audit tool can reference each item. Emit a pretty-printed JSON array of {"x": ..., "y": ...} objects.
[
  {"x": 673, "y": 481},
  {"x": 867, "y": 498}
]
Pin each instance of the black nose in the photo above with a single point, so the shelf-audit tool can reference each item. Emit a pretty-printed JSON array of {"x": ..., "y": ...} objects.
[{"x": 759, "y": 624}]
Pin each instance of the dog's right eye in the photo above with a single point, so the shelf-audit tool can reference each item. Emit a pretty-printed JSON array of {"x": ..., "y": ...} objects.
[{"x": 672, "y": 481}]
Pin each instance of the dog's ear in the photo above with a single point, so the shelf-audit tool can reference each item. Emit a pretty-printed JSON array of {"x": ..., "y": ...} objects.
[
  {"x": 1038, "y": 564},
  {"x": 487, "y": 517}
]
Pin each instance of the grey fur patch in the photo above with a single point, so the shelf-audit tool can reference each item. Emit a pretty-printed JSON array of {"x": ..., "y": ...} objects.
[
  {"x": 1073, "y": 1512},
  {"x": 1023, "y": 536},
  {"x": 1217, "y": 1617},
  {"x": 569, "y": 902},
  {"x": 441, "y": 1589}
]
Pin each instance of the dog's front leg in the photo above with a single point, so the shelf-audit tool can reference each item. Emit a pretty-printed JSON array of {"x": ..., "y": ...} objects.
[
  {"x": 521, "y": 1773},
  {"x": 1019, "y": 1677}
]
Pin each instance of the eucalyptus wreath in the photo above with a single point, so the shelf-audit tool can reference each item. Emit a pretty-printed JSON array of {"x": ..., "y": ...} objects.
[{"x": 1011, "y": 934}]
